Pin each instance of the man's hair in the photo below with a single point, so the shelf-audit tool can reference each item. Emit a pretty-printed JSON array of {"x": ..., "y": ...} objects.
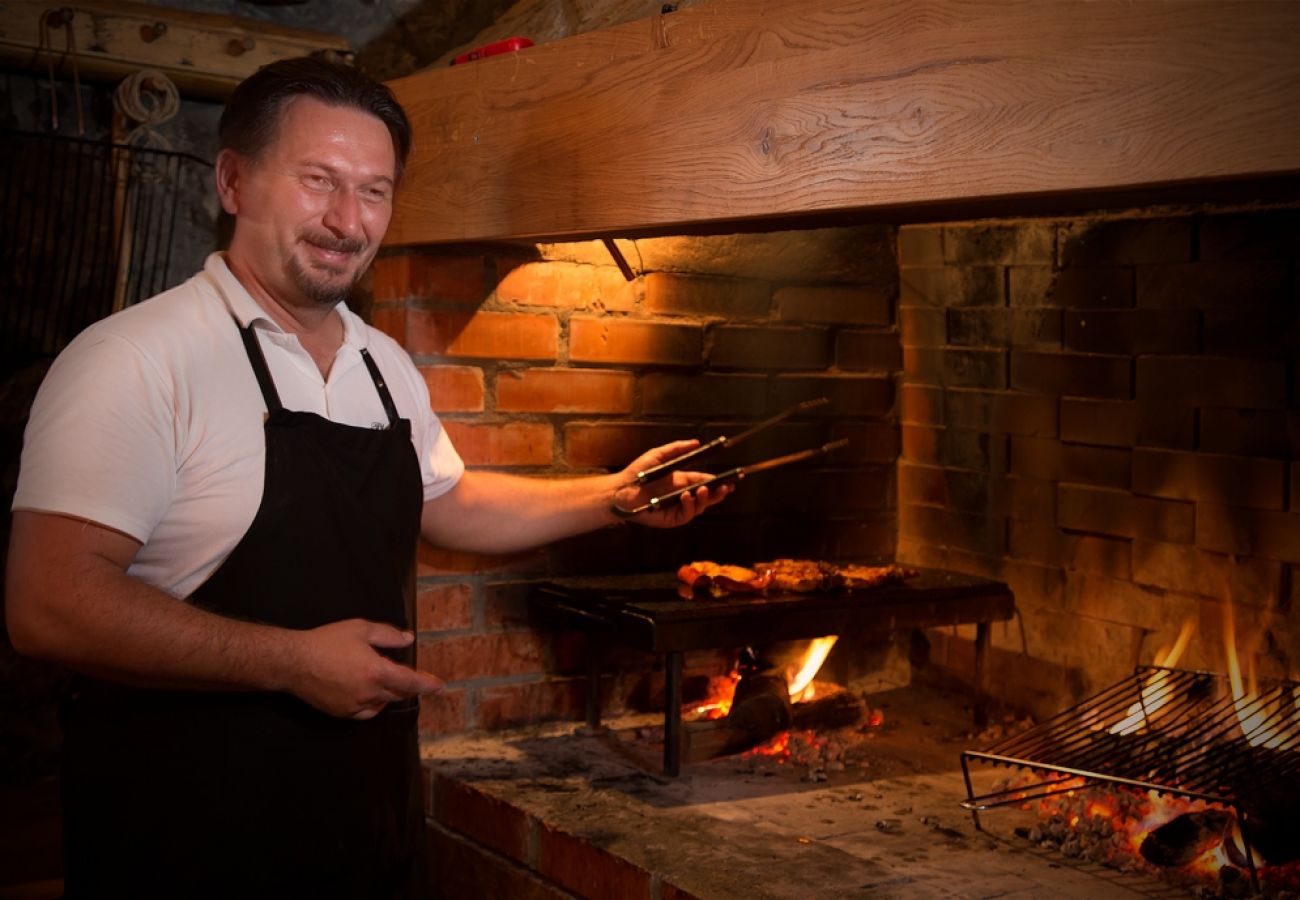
[{"x": 253, "y": 112}]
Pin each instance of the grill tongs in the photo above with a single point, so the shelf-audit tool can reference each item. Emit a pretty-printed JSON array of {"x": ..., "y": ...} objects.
[{"x": 736, "y": 474}]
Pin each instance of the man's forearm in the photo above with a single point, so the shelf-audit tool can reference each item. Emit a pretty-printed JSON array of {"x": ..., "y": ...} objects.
[{"x": 489, "y": 512}]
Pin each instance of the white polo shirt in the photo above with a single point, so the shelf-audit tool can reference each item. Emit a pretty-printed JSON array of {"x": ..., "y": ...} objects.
[{"x": 150, "y": 422}]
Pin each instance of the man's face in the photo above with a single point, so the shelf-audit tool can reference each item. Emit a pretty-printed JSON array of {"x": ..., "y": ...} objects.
[{"x": 312, "y": 209}]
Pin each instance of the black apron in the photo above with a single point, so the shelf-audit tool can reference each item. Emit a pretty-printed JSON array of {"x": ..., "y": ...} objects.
[{"x": 207, "y": 794}]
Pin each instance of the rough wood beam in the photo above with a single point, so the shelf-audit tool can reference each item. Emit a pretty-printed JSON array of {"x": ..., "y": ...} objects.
[{"x": 742, "y": 109}]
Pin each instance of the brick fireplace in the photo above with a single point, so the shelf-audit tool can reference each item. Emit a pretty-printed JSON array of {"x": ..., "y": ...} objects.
[{"x": 1101, "y": 411}]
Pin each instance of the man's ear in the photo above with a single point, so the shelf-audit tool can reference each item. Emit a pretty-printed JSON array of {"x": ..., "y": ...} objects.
[{"x": 230, "y": 168}]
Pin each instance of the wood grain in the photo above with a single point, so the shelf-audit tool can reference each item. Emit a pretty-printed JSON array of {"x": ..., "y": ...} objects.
[{"x": 741, "y": 109}]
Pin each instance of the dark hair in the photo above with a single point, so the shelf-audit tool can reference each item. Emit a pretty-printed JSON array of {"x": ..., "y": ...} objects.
[{"x": 252, "y": 114}]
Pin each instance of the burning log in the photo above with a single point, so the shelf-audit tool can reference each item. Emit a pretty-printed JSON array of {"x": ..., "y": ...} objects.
[{"x": 1182, "y": 840}]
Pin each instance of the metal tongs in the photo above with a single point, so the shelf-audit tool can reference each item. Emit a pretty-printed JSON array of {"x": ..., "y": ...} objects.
[{"x": 736, "y": 474}]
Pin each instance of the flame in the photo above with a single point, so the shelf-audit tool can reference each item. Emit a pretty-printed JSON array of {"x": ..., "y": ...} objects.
[
  {"x": 1154, "y": 692},
  {"x": 1258, "y": 718},
  {"x": 801, "y": 686}
]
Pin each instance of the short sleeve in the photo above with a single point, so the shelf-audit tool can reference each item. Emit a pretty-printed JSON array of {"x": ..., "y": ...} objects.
[{"x": 100, "y": 443}]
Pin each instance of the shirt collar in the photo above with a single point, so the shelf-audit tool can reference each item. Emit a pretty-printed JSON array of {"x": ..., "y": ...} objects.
[{"x": 246, "y": 310}]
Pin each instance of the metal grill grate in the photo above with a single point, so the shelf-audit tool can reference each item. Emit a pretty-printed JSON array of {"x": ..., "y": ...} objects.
[
  {"x": 1167, "y": 730},
  {"x": 90, "y": 229}
]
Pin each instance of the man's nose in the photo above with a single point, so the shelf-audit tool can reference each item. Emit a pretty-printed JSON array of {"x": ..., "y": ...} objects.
[{"x": 343, "y": 213}]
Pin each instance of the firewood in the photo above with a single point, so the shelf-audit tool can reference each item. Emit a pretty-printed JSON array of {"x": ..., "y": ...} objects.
[
  {"x": 1181, "y": 840},
  {"x": 839, "y": 710},
  {"x": 761, "y": 705}
]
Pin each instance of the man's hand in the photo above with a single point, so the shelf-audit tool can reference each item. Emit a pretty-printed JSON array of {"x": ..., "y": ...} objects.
[
  {"x": 342, "y": 673},
  {"x": 691, "y": 503}
]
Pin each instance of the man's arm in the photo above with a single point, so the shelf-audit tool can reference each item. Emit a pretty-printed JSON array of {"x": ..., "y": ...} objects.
[
  {"x": 490, "y": 512},
  {"x": 70, "y": 600}
]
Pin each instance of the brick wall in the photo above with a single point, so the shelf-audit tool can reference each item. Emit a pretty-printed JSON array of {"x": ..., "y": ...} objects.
[
  {"x": 548, "y": 362},
  {"x": 1105, "y": 412}
]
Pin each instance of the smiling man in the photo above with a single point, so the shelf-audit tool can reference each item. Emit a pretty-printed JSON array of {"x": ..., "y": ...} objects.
[{"x": 215, "y": 524}]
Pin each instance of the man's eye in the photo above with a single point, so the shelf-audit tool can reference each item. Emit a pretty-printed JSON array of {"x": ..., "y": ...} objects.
[
  {"x": 316, "y": 182},
  {"x": 377, "y": 195}
]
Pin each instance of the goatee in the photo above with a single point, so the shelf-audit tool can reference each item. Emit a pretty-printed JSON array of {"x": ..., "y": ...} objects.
[{"x": 321, "y": 283}]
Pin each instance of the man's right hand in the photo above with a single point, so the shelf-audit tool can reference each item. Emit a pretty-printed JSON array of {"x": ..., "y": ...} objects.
[{"x": 342, "y": 673}]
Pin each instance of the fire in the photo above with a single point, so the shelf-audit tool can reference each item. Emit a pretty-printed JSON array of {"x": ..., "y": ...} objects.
[
  {"x": 1155, "y": 693},
  {"x": 801, "y": 684},
  {"x": 1258, "y": 717}
]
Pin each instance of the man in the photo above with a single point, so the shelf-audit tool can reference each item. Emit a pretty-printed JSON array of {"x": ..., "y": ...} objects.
[{"x": 220, "y": 496}]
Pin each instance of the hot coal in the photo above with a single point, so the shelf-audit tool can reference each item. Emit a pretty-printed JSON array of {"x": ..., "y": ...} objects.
[{"x": 1183, "y": 839}]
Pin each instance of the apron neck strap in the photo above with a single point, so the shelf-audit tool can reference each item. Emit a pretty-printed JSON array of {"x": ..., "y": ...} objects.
[
  {"x": 390, "y": 409},
  {"x": 258, "y": 362}
]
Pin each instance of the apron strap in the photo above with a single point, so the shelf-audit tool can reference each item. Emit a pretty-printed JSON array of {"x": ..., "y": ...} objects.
[
  {"x": 272, "y": 396},
  {"x": 258, "y": 361},
  {"x": 384, "y": 396}
]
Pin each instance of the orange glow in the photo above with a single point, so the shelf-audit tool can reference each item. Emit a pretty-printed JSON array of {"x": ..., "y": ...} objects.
[
  {"x": 1155, "y": 693},
  {"x": 801, "y": 683},
  {"x": 1258, "y": 718}
]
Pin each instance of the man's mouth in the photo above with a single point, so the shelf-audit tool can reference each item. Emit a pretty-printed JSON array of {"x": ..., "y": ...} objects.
[{"x": 329, "y": 249}]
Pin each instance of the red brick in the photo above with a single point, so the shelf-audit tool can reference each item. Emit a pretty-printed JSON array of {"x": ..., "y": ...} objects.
[
  {"x": 836, "y": 305},
  {"x": 512, "y": 705},
  {"x": 975, "y": 492},
  {"x": 873, "y": 350},
  {"x": 1096, "y": 510},
  {"x": 626, "y": 341},
  {"x": 849, "y": 395},
  {"x": 984, "y": 535},
  {"x": 1124, "y": 241},
  {"x": 1072, "y": 374},
  {"x": 1176, "y": 567},
  {"x": 506, "y": 604},
  {"x": 484, "y": 334},
  {"x": 435, "y": 561},
  {"x": 922, "y": 326},
  {"x": 921, "y": 444},
  {"x": 442, "y": 713},
  {"x": 589, "y": 445},
  {"x": 1099, "y": 555},
  {"x": 1250, "y": 432},
  {"x": 493, "y": 822},
  {"x": 974, "y": 368},
  {"x": 1098, "y": 466},
  {"x": 579, "y": 865},
  {"x": 921, "y": 404},
  {"x": 1021, "y": 328},
  {"x": 670, "y": 891},
  {"x": 1030, "y": 499},
  {"x": 1171, "y": 521},
  {"x": 1213, "y": 381},
  {"x": 1164, "y": 421},
  {"x": 1038, "y": 458},
  {"x": 1132, "y": 331},
  {"x": 429, "y": 277},
  {"x": 567, "y": 285},
  {"x": 493, "y": 655},
  {"x": 1034, "y": 542},
  {"x": 1106, "y": 422},
  {"x": 1251, "y": 330},
  {"x": 391, "y": 320},
  {"x": 1004, "y": 412},
  {"x": 787, "y": 349},
  {"x": 1103, "y": 288},
  {"x": 923, "y": 365},
  {"x": 463, "y": 868},
  {"x": 1227, "y": 480},
  {"x": 998, "y": 244},
  {"x": 951, "y": 286},
  {"x": 1258, "y": 234},
  {"x": 728, "y": 298},
  {"x": 1204, "y": 285},
  {"x": 454, "y": 388},
  {"x": 1120, "y": 600},
  {"x": 1248, "y": 532},
  {"x": 694, "y": 395},
  {"x": 868, "y": 443},
  {"x": 564, "y": 391},
  {"x": 974, "y": 450},
  {"x": 509, "y": 444},
  {"x": 920, "y": 245},
  {"x": 443, "y": 607}
]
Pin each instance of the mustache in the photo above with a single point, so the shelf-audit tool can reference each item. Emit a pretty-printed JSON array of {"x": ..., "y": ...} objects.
[{"x": 330, "y": 242}]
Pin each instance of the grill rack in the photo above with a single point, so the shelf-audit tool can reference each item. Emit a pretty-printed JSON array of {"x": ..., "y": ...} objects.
[{"x": 1173, "y": 731}]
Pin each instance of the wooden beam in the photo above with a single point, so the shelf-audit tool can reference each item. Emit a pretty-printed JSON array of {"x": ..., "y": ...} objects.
[
  {"x": 204, "y": 54},
  {"x": 744, "y": 109}
]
